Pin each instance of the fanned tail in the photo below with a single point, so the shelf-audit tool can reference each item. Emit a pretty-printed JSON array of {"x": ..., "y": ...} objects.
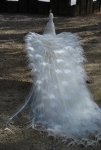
[{"x": 62, "y": 104}]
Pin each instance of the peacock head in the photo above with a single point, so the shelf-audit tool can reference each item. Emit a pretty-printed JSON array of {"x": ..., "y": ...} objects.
[{"x": 50, "y": 28}]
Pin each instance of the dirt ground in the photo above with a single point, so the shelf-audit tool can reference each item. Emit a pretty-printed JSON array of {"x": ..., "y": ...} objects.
[{"x": 15, "y": 77}]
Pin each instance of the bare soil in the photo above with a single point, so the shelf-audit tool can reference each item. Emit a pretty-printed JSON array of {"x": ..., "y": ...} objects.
[{"x": 15, "y": 77}]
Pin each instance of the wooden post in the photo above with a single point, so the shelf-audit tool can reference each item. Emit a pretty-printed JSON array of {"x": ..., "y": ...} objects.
[
  {"x": 2, "y": 5},
  {"x": 99, "y": 5},
  {"x": 33, "y": 6},
  {"x": 96, "y": 7},
  {"x": 64, "y": 7},
  {"x": 83, "y": 4},
  {"x": 12, "y": 6},
  {"x": 54, "y": 6},
  {"x": 23, "y": 6},
  {"x": 89, "y": 6},
  {"x": 74, "y": 10},
  {"x": 43, "y": 7}
]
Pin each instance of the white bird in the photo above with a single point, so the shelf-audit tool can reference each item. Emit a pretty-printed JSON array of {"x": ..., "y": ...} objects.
[{"x": 61, "y": 103}]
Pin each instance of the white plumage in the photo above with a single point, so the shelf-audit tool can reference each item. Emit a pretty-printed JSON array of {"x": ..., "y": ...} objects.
[{"x": 60, "y": 101}]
